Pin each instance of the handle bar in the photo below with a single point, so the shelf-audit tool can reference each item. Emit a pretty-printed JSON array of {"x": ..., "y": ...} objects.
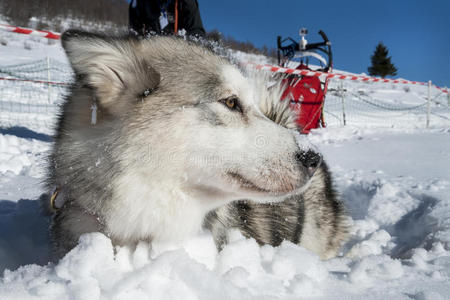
[{"x": 324, "y": 43}]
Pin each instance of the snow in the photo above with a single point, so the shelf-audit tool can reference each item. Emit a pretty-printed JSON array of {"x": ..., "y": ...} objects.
[{"x": 394, "y": 181}]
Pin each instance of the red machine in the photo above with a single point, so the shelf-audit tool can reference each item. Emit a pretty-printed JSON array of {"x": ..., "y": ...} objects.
[{"x": 306, "y": 94}]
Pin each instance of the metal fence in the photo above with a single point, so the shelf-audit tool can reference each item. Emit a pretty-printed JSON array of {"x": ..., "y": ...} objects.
[
  {"x": 360, "y": 105},
  {"x": 46, "y": 69},
  {"x": 31, "y": 92}
]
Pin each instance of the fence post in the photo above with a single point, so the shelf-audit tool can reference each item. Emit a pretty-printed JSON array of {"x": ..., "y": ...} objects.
[
  {"x": 428, "y": 103},
  {"x": 48, "y": 78},
  {"x": 343, "y": 102}
]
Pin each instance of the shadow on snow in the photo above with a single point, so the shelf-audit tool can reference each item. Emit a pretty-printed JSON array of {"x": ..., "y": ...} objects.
[
  {"x": 24, "y": 234},
  {"x": 23, "y": 132}
]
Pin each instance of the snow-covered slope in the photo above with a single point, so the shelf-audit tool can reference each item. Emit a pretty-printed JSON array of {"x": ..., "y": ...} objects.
[{"x": 395, "y": 183}]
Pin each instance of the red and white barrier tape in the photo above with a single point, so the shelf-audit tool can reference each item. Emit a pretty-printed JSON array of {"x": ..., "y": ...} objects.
[
  {"x": 277, "y": 69},
  {"x": 41, "y": 33},
  {"x": 56, "y": 36}
]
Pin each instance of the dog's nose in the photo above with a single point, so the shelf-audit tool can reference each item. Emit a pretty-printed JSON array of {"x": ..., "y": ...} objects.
[{"x": 309, "y": 159}]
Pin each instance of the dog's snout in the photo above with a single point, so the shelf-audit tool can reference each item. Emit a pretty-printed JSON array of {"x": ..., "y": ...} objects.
[{"x": 309, "y": 159}]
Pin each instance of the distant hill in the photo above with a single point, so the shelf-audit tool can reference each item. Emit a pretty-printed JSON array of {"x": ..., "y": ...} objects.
[
  {"x": 99, "y": 15},
  {"x": 59, "y": 14}
]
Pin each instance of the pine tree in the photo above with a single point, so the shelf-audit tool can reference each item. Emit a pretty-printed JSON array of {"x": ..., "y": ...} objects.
[{"x": 381, "y": 63}]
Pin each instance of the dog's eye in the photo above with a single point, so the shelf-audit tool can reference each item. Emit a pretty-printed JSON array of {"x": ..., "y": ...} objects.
[
  {"x": 232, "y": 103},
  {"x": 147, "y": 92}
]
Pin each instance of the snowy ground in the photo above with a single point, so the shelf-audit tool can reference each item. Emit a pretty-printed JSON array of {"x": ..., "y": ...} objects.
[{"x": 395, "y": 183}]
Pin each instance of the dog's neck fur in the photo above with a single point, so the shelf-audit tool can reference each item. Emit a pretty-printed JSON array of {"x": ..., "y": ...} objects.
[{"x": 157, "y": 211}]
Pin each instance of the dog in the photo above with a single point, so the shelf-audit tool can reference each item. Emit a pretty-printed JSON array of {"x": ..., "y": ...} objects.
[{"x": 161, "y": 137}]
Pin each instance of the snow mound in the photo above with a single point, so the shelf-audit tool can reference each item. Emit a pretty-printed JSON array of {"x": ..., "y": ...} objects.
[{"x": 95, "y": 270}]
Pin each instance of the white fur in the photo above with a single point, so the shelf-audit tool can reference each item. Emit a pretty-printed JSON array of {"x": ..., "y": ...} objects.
[{"x": 172, "y": 205}]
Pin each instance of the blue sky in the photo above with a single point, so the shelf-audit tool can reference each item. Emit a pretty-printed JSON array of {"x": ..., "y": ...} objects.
[{"x": 417, "y": 33}]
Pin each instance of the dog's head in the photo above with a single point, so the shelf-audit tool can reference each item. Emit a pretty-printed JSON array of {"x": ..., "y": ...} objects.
[{"x": 190, "y": 118}]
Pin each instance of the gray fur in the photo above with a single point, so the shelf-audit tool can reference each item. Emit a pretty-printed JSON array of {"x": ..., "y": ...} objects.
[
  {"x": 167, "y": 155},
  {"x": 271, "y": 223}
]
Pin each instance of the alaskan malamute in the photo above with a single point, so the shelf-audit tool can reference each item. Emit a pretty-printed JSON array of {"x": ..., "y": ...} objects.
[{"x": 161, "y": 137}]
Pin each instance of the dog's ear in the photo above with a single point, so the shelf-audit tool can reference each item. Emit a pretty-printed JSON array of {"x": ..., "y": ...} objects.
[{"x": 109, "y": 65}]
